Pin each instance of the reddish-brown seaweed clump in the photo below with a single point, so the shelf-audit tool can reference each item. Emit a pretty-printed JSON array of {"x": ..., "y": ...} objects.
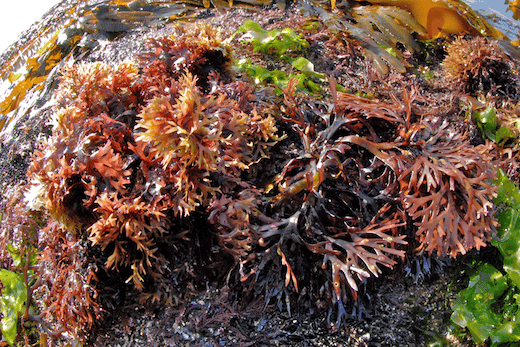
[
  {"x": 478, "y": 66},
  {"x": 134, "y": 149},
  {"x": 364, "y": 169}
]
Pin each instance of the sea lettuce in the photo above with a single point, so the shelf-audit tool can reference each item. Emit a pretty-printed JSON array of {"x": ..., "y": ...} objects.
[{"x": 490, "y": 306}]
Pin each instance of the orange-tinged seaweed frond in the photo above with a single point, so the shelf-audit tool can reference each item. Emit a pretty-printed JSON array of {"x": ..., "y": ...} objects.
[
  {"x": 135, "y": 150},
  {"x": 68, "y": 282},
  {"x": 130, "y": 226},
  {"x": 183, "y": 132},
  {"x": 479, "y": 66},
  {"x": 445, "y": 185},
  {"x": 447, "y": 189}
]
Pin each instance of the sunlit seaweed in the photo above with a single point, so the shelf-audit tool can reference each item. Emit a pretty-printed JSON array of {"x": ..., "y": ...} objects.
[
  {"x": 131, "y": 154},
  {"x": 38, "y": 68},
  {"x": 436, "y": 17},
  {"x": 279, "y": 46},
  {"x": 445, "y": 183},
  {"x": 381, "y": 29},
  {"x": 137, "y": 148},
  {"x": 186, "y": 131},
  {"x": 514, "y": 6},
  {"x": 66, "y": 283},
  {"x": 71, "y": 163},
  {"x": 479, "y": 66},
  {"x": 196, "y": 49},
  {"x": 445, "y": 17},
  {"x": 136, "y": 221}
]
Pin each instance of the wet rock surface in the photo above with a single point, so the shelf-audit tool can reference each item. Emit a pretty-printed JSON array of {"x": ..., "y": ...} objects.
[{"x": 400, "y": 313}]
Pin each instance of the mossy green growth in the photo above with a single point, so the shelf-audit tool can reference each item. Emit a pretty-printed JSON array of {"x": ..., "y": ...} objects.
[
  {"x": 391, "y": 50},
  {"x": 508, "y": 236},
  {"x": 490, "y": 306},
  {"x": 284, "y": 45},
  {"x": 311, "y": 25},
  {"x": 423, "y": 74},
  {"x": 279, "y": 43},
  {"x": 14, "y": 292},
  {"x": 12, "y": 303},
  {"x": 307, "y": 79}
]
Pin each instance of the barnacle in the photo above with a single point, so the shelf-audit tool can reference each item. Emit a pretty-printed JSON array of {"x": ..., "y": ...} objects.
[{"x": 478, "y": 65}]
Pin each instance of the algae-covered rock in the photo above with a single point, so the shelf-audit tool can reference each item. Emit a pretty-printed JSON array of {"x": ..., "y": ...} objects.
[{"x": 245, "y": 173}]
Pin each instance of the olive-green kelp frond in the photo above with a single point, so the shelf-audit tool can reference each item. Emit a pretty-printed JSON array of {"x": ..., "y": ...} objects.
[
  {"x": 381, "y": 28},
  {"x": 515, "y": 7},
  {"x": 445, "y": 17},
  {"x": 51, "y": 49},
  {"x": 122, "y": 16},
  {"x": 378, "y": 28},
  {"x": 38, "y": 67}
]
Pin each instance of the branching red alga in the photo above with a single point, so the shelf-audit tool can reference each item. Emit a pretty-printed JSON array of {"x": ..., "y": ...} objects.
[{"x": 134, "y": 149}]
